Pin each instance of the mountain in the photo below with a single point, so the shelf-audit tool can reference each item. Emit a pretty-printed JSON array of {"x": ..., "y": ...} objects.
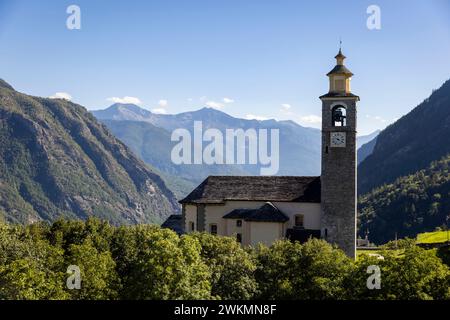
[
  {"x": 365, "y": 145},
  {"x": 410, "y": 205},
  {"x": 57, "y": 160},
  {"x": 121, "y": 111},
  {"x": 299, "y": 146},
  {"x": 366, "y": 150},
  {"x": 362, "y": 140},
  {"x": 154, "y": 146},
  {"x": 410, "y": 144}
]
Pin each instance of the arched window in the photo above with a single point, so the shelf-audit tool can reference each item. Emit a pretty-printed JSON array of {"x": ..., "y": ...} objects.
[{"x": 339, "y": 116}]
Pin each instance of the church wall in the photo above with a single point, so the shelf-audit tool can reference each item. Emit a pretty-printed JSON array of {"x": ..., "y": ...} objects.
[
  {"x": 227, "y": 227},
  {"x": 215, "y": 213},
  {"x": 252, "y": 232},
  {"x": 310, "y": 211},
  {"x": 190, "y": 215},
  {"x": 265, "y": 232}
]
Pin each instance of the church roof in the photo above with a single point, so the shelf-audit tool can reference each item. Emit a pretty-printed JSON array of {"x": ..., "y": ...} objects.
[
  {"x": 174, "y": 222},
  {"x": 267, "y": 213},
  {"x": 218, "y": 189},
  {"x": 339, "y": 95},
  {"x": 340, "y": 55},
  {"x": 340, "y": 69}
]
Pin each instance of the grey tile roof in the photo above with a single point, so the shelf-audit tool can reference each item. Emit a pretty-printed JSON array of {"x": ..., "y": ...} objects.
[
  {"x": 218, "y": 189},
  {"x": 174, "y": 222},
  {"x": 267, "y": 213}
]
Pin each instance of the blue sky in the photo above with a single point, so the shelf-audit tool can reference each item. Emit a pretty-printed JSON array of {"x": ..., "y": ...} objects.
[{"x": 251, "y": 58}]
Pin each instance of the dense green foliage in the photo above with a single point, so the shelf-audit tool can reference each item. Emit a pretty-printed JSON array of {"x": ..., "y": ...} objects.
[
  {"x": 410, "y": 144},
  {"x": 57, "y": 160},
  {"x": 147, "y": 262},
  {"x": 412, "y": 204},
  {"x": 314, "y": 270}
]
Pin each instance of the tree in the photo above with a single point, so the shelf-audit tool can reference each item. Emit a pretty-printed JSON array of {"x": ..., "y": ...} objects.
[
  {"x": 156, "y": 263},
  {"x": 30, "y": 268},
  {"x": 314, "y": 270},
  {"x": 231, "y": 267},
  {"x": 26, "y": 279},
  {"x": 99, "y": 280},
  {"x": 411, "y": 273}
]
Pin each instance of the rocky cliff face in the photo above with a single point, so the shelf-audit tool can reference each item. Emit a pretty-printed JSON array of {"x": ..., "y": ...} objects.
[{"x": 57, "y": 160}]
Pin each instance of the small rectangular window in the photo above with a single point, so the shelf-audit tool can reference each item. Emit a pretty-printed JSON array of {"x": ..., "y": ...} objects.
[
  {"x": 213, "y": 228},
  {"x": 299, "y": 221},
  {"x": 238, "y": 223},
  {"x": 192, "y": 226},
  {"x": 239, "y": 238}
]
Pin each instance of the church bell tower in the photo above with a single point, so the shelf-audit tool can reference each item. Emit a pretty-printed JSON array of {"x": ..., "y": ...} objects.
[{"x": 338, "y": 178}]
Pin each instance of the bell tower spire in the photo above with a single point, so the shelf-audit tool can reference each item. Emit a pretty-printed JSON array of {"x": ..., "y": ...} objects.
[
  {"x": 338, "y": 178},
  {"x": 340, "y": 76}
]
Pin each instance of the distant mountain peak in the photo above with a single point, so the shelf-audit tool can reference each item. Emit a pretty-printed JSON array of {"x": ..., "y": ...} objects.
[
  {"x": 128, "y": 106},
  {"x": 210, "y": 110}
]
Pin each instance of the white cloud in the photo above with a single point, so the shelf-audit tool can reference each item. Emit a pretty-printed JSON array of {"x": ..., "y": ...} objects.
[
  {"x": 214, "y": 104},
  {"x": 376, "y": 118},
  {"x": 286, "y": 109},
  {"x": 159, "y": 111},
  {"x": 311, "y": 119},
  {"x": 228, "y": 100},
  {"x": 307, "y": 120},
  {"x": 254, "y": 117},
  {"x": 163, "y": 103},
  {"x": 61, "y": 95},
  {"x": 125, "y": 100}
]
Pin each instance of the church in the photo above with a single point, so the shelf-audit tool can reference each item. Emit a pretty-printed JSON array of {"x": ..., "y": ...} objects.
[{"x": 262, "y": 209}]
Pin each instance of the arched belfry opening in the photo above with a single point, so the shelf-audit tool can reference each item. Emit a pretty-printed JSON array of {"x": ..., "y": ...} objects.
[{"x": 339, "y": 116}]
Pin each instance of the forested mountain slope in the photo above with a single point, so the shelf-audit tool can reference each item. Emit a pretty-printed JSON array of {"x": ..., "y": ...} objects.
[{"x": 57, "y": 160}]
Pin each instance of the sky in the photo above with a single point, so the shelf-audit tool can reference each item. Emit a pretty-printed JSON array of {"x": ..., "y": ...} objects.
[{"x": 249, "y": 58}]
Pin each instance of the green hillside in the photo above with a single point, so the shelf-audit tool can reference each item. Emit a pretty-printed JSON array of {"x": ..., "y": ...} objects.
[
  {"x": 412, "y": 204},
  {"x": 410, "y": 144},
  {"x": 433, "y": 237},
  {"x": 57, "y": 160}
]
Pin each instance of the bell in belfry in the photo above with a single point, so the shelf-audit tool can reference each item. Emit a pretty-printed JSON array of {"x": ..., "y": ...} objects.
[{"x": 339, "y": 117}]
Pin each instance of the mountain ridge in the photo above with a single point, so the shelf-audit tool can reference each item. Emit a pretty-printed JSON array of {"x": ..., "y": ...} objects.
[
  {"x": 410, "y": 144},
  {"x": 58, "y": 160},
  {"x": 299, "y": 146}
]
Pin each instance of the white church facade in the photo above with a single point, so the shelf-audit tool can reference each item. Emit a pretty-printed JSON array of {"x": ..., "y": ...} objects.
[{"x": 262, "y": 209}]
